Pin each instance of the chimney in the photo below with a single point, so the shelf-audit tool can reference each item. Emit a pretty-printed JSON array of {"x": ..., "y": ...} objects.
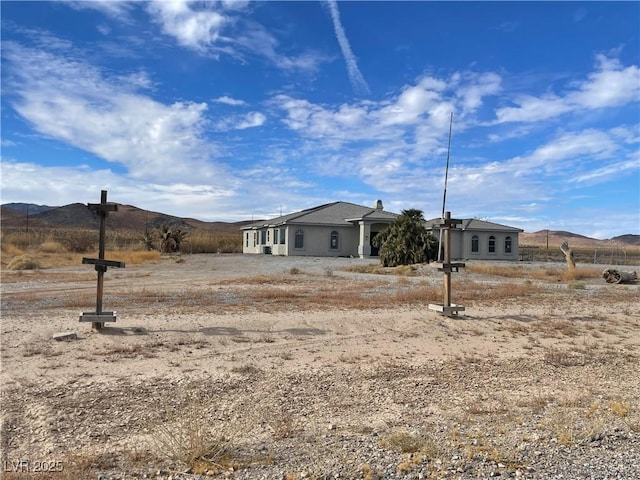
[{"x": 379, "y": 205}]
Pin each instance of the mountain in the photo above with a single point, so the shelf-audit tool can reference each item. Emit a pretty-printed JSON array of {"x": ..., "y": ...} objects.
[
  {"x": 128, "y": 217},
  {"x": 26, "y": 208},
  {"x": 554, "y": 238},
  {"x": 627, "y": 239}
]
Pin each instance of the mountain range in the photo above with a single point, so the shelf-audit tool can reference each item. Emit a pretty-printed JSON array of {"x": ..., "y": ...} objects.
[{"x": 129, "y": 217}]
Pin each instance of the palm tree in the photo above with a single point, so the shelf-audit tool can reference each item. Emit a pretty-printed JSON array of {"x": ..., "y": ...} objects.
[{"x": 406, "y": 241}]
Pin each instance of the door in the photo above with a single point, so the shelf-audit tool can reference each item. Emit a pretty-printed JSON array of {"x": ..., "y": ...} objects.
[{"x": 374, "y": 250}]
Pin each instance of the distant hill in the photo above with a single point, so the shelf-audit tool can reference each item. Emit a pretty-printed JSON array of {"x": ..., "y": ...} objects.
[
  {"x": 24, "y": 208},
  {"x": 627, "y": 239},
  {"x": 128, "y": 217},
  {"x": 556, "y": 237}
]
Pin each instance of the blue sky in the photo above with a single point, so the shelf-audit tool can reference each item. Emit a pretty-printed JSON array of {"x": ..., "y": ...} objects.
[{"x": 232, "y": 110}]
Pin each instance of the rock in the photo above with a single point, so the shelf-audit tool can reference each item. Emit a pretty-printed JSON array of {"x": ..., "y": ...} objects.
[{"x": 62, "y": 336}]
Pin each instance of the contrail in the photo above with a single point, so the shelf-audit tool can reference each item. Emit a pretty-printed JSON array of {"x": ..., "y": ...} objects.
[{"x": 357, "y": 80}]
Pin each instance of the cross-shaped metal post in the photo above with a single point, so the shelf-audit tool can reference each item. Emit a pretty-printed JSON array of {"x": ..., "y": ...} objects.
[{"x": 99, "y": 317}]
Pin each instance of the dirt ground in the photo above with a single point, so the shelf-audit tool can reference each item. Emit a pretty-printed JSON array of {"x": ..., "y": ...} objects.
[{"x": 274, "y": 353}]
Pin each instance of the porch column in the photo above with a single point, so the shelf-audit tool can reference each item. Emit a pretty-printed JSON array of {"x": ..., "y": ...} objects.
[{"x": 364, "y": 245}]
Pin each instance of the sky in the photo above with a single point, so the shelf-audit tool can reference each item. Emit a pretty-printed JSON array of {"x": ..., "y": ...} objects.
[{"x": 235, "y": 110}]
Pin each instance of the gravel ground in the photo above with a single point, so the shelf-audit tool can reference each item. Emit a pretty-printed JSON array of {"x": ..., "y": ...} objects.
[{"x": 541, "y": 384}]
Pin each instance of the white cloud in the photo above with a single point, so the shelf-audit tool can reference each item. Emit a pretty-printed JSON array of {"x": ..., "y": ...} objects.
[
  {"x": 610, "y": 85},
  {"x": 241, "y": 122},
  {"x": 197, "y": 29},
  {"x": 609, "y": 172},
  {"x": 355, "y": 76},
  {"x": 420, "y": 113},
  {"x": 219, "y": 28},
  {"x": 533, "y": 109},
  {"x": 113, "y": 8},
  {"x": 410, "y": 106},
  {"x": 592, "y": 143},
  {"x": 250, "y": 120},
  {"x": 232, "y": 201},
  {"x": 482, "y": 85},
  {"x": 230, "y": 101},
  {"x": 70, "y": 101}
]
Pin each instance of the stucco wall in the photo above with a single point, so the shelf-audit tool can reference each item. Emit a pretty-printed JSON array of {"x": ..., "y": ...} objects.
[
  {"x": 483, "y": 240},
  {"x": 316, "y": 241},
  {"x": 461, "y": 245}
]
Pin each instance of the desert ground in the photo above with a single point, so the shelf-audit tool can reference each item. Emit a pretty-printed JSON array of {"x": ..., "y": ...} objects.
[{"x": 233, "y": 366}]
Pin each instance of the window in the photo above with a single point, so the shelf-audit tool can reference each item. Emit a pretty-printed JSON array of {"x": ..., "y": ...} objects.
[
  {"x": 475, "y": 244},
  {"x": 255, "y": 238},
  {"x": 263, "y": 237},
  {"x": 246, "y": 239},
  {"x": 283, "y": 236},
  {"x": 268, "y": 235},
  {"x": 507, "y": 245},
  {"x": 276, "y": 236},
  {"x": 492, "y": 244},
  {"x": 334, "y": 241},
  {"x": 299, "y": 241}
]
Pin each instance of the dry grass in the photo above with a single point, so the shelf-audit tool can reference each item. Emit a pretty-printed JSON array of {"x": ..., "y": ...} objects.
[
  {"x": 52, "y": 246},
  {"x": 187, "y": 439},
  {"x": 209, "y": 242},
  {"x": 23, "y": 262},
  {"x": 134, "y": 257},
  {"x": 61, "y": 247},
  {"x": 411, "y": 442},
  {"x": 482, "y": 292},
  {"x": 48, "y": 259},
  {"x": 543, "y": 273},
  {"x": 377, "y": 269}
]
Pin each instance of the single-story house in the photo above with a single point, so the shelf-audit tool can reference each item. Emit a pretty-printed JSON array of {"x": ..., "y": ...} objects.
[
  {"x": 475, "y": 239},
  {"x": 338, "y": 229}
]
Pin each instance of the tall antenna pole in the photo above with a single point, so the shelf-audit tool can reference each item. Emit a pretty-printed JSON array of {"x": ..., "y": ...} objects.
[{"x": 444, "y": 196}]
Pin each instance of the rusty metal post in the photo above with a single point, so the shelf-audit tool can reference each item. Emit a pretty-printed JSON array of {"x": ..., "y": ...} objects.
[{"x": 99, "y": 316}]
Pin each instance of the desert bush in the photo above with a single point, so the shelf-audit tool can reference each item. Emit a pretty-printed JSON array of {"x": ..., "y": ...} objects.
[
  {"x": 411, "y": 442},
  {"x": 23, "y": 262},
  {"x": 11, "y": 250},
  {"x": 79, "y": 241},
  {"x": 189, "y": 439},
  {"x": 51, "y": 246},
  {"x": 18, "y": 240}
]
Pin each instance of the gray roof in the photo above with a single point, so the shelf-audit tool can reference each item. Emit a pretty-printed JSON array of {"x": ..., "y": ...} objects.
[
  {"x": 475, "y": 224},
  {"x": 336, "y": 213}
]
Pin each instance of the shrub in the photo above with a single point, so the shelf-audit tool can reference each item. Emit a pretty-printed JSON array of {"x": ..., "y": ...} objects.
[
  {"x": 188, "y": 439},
  {"x": 23, "y": 262},
  {"x": 79, "y": 241},
  {"x": 51, "y": 246},
  {"x": 406, "y": 241}
]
